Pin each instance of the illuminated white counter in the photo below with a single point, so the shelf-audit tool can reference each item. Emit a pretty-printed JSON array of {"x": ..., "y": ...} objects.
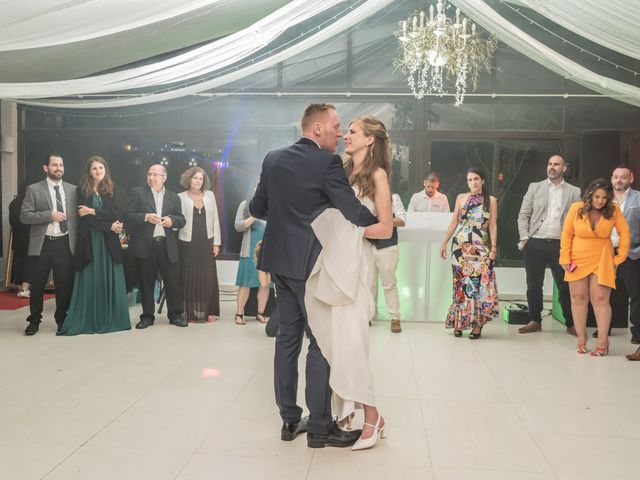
[{"x": 424, "y": 279}]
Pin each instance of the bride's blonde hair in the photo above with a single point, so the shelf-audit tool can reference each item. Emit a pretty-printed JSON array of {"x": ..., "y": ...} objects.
[{"x": 378, "y": 156}]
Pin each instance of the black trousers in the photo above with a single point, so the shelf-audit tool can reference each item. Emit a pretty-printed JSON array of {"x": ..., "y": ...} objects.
[
  {"x": 292, "y": 323},
  {"x": 56, "y": 255},
  {"x": 628, "y": 284},
  {"x": 538, "y": 253},
  {"x": 148, "y": 268}
]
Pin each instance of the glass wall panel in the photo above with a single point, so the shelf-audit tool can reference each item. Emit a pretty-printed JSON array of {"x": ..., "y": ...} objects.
[
  {"x": 400, "y": 163},
  {"x": 595, "y": 116},
  {"x": 451, "y": 159},
  {"x": 518, "y": 74},
  {"x": 520, "y": 162},
  {"x": 263, "y": 80},
  {"x": 375, "y": 48},
  {"x": 534, "y": 116},
  {"x": 468, "y": 116},
  {"x": 323, "y": 67}
]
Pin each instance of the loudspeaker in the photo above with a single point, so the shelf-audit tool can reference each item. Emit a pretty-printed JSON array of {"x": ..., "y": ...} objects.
[{"x": 516, "y": 314}]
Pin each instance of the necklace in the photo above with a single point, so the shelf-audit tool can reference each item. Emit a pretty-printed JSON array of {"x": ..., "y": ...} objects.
[{"x": 197, "y": 199}]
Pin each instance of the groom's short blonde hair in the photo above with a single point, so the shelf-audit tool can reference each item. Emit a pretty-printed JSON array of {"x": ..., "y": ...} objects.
[{"x": 313, "y": 113}]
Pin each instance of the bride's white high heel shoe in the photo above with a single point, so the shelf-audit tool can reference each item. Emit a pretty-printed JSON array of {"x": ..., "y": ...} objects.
[{"x": 378, "y": 432}]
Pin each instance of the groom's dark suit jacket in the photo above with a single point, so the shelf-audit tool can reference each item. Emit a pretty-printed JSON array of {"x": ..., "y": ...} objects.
[{"x": 297, "y": 184}]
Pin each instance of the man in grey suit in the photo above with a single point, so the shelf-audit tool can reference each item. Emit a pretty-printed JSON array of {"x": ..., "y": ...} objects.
[
  {"x": 540, "y": 221},
  {"x": 628, "y": 272},
  {"x": 50, "y": 208}
]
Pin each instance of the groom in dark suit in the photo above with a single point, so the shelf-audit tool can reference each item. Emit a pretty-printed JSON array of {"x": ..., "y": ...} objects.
[
  {"x": 297, "y": 184},
  {"x": 154, "y": 216}
]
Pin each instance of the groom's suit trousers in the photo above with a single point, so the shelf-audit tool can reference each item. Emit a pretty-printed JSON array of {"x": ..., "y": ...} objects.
[{"x": 292, "y": 323}]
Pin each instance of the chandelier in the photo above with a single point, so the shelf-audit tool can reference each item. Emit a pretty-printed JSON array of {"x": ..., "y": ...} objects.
[{"x": 436, "y": 45}]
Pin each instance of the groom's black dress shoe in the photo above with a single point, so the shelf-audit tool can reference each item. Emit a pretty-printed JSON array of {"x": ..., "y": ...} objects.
[
  {"x": 333, "y": 436},
  {"x": 290, "y": 431}
]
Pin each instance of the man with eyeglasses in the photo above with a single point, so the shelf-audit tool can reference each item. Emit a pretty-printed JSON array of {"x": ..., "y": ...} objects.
[{"x": 154, "y": 218}]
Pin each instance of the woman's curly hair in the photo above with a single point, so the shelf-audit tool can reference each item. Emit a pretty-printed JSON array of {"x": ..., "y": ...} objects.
[{"x": 587, "y": 198}]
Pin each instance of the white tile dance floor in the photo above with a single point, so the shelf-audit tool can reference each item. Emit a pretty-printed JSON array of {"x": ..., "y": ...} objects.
[{"x": 197, "y": 403}]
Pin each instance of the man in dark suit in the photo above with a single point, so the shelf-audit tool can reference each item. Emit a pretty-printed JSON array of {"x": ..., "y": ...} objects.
[
  {"x": 154, "y": 216},
  {"x": 50, "y": 208},
  {"x": 297, "y": 184}
]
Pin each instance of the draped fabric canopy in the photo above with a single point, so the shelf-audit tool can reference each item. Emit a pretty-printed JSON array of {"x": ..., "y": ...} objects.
[
  {"x": 113, "y": 38},
  {"x": 179, "y": 68},
  {"x": 611, "y": 23},
  {"x": 364, "y": 11},
  {"x": 29, "y": 24},
  {"x": 488, "y": 18},
  {"x": 79, "y": 25}
]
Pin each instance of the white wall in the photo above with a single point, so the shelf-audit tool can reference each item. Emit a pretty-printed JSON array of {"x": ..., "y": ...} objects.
[{"x": 512, "y": 283}]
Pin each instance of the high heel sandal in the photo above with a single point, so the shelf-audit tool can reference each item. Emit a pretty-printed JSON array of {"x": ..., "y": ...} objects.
[
  {"x": 475, "y": 336},
  {"x": 346, "y": 422},
  {"x": 582, "y": 348},
  {"x": 258, "y": 315},
  {"x": 241, "y": 317},
  {"x": 378, "y": 432},
  {"x": 457, "y": 333},
  {"x": 601, "y": 351}
]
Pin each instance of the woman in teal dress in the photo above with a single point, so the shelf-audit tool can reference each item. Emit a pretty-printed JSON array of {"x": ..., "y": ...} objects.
[
  {"x": 247, "y": 277},
  {"x": 473, "y": 251},
  {"x": 99, "y": 299}
]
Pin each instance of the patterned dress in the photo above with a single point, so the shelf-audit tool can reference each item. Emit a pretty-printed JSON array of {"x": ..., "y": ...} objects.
[{"x": 475, "y": 294}]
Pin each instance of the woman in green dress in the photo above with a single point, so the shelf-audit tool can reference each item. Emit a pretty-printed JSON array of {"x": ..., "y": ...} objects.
[{"x": 99, "y": 300}]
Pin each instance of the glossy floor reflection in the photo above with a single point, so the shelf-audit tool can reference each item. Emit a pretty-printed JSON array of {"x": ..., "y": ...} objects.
[{"x": 197, "y": 403}]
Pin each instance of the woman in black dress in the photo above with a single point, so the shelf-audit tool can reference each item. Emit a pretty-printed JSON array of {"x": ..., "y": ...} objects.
[{"x": 199, "y": 245}]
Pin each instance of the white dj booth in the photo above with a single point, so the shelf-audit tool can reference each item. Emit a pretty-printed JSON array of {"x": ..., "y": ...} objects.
[{"x": 424, "y": 279}]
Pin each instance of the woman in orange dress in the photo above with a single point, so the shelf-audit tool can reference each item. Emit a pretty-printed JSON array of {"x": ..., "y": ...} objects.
[{"x": 590, "y": 261}]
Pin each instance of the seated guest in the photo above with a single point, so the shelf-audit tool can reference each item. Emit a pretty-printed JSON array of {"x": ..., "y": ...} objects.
[
  {"x": 99, "y": 299},
  {"x": 429, "y": 199},
  {"x": 199, "y": 245},
  {"x": 589, "y": 260}
]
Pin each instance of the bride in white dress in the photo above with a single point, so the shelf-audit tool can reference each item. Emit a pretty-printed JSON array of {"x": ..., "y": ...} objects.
[{"x": 338, "y": 299}]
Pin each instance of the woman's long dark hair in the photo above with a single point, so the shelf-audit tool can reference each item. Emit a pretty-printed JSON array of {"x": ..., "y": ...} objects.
[
  {"x": 587, "y": 198},
  {"x": 105, "y": 187},
  {"x": 486, "y": 202}
]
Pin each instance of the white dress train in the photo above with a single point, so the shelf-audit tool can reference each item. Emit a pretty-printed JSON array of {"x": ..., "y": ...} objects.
[{"x": 339, "y": 306}]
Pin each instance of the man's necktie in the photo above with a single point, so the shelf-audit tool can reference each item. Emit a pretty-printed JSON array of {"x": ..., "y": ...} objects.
[{"x": 60, "y": 208}]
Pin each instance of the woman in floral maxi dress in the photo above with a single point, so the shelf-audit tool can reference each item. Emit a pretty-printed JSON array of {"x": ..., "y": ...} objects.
[{"x": 473, "y": 251}]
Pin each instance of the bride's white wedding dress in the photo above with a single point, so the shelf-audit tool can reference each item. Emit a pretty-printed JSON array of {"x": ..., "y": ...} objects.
[{"x": 339, "y": 306}]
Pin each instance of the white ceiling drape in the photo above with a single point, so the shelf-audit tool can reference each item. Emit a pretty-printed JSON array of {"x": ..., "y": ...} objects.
[
  {"x": 347, "y": 21},
  {"x": 183, "y": 67},
  {"x": 610, "y": 23},
  {"x": 484, "y": 15},
  {"x": 44, "y": 23}
]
